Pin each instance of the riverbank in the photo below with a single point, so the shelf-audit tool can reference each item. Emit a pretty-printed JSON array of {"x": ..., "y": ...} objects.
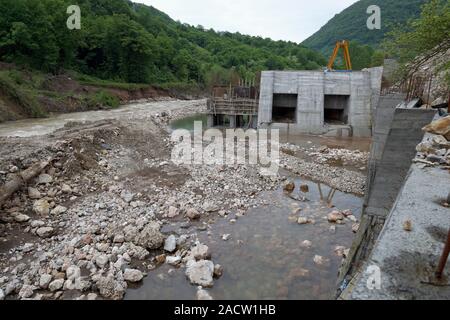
[{"x": 111, "y": 209}]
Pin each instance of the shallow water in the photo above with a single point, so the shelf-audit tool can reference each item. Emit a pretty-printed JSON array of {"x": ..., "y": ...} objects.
[
  {"x": 269, "y": 263},
  {"x": 303, "y": 140}
]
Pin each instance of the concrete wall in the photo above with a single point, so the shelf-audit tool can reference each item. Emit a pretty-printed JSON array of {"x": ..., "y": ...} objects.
[
  {"x": 363, "y": 87},
  {"x": 397, "y": 132}
]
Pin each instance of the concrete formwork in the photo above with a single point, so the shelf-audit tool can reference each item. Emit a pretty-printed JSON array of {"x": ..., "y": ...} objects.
[{"x": 311, "y": 87}]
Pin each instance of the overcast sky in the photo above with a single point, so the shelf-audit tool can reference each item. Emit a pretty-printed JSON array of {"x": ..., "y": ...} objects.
[{"x": 293, "y": 20}]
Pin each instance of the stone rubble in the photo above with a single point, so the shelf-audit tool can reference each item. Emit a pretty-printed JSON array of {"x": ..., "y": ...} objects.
[{"x": 89, "y": 220}]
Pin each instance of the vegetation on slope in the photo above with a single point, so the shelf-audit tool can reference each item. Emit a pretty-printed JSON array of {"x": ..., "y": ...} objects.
[
  {"x": 423, "y": 39},
  {"x": 127, "y": 42},
  {"x": 351, "y": 24}
]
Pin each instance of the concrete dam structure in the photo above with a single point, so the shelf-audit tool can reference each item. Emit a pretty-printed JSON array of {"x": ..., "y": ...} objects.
[{"x": 320, "y": 102}]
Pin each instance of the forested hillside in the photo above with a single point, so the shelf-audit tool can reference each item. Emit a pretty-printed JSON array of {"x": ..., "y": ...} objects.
[
  {"x": 128, "y": 42},
  {"x": 351, "y": 24}
]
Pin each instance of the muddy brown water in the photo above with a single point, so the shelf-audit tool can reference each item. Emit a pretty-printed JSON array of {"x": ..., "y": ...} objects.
[{"x": 264, "y": 259}]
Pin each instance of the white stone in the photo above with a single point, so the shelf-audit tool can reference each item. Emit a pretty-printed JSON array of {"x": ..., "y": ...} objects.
[
  {"x": 170, "y": 244},
  {"x": 173, "y": 260},
  {"x": 132, "y": 275},
  {"x": 44, "y": 281},
  {"x": 203, "y": 294},
  {"x": 58, "y": 210},
  {"x": 44, "y": 232},
  {"x": 306, "y": 244},
  {"x": 21, "y": 218},
  {"x": 26, "y": 291},
  {"x": 173, "y": 212},
  {"x": 73, "y": 272},
  {"x": 56, "y": 285},
  {"x": 200, "y": 272},
  {"x": 44, "y": 178},
  {"x": 200, "y": 251},
  {"x": 101, "y": 260}
]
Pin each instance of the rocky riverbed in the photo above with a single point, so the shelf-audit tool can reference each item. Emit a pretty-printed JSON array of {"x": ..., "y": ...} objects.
[{"x": 99, "y": 218}]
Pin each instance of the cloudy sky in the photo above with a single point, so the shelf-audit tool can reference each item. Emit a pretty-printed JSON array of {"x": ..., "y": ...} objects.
[{"x": 293, "y": 20}]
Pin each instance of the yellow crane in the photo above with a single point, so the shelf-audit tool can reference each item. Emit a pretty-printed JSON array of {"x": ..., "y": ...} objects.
[{"x": 344, "y": 44}]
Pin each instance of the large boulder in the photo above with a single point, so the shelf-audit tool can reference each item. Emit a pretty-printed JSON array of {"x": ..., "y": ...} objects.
[
  {"x": 440, "y": 127},
  {"x": 110, "y": 288},
  {"x": 200, "y": 272},
  {"x": 150, "y": 237},
  {"x": 132, "y": 275}
]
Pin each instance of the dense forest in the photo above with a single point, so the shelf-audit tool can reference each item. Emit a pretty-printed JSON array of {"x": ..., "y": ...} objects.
[
  {"x": 351, "y": 23},
  {"x": 123, "y": 41}
]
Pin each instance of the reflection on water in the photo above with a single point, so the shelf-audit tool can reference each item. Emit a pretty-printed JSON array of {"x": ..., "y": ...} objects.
[
  {"x": 264, "y": 258},
  {"x": 188, "y": 122}
]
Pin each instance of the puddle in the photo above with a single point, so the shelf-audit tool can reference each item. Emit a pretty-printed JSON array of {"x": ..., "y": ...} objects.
[
  {"x": 188, "y": 122},
  {"x": 268, "y": 262}
]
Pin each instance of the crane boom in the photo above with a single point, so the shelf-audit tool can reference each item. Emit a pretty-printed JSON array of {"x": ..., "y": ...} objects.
[{"x": 344, "y": 44}]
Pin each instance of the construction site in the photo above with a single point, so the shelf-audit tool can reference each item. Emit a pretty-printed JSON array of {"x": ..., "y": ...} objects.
[{"x": 93, "y": 207}]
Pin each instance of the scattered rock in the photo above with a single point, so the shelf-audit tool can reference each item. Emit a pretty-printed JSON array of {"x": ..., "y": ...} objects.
[
  {"x": 439, "y": 127},
  {"x": 192, "y": 214},
  {"x": 132, "y": 275},
  {"x": 319, "y": 260},
  {"x": 173, "y": 260},
  {"x": 45, "y": 232},
  {"x": 226, "y": 237},
  {"x": 203, "y": 294},
  {"x": 170, "y": 244},
  {"x": 21, "y": 218},
  {"x": 101, "y": 260},
  {"x": 218, "y": 270},
  {"x": 407, "y": 225},
  {"x": 110, "y": 288},
  {"x": 355, "y": 227},
  {"x": 56, "y": 285},
  {"x": 306, "y": 244},
  {"x": 303, "y": 220},
  {"x": 335, "y": 216},
  {"x": 58, "y": 210},
  {"x": 73, "y": 272},
  {"x": 65, "y": 188},
  {"x": 44, "y": 281},
  {"x": 173, "y": 212},
  {"x": 200, "y": 251},
  {"x": 160, "y": 258},
  {"x": 150, "y": 237},
  {"x": 41, "y": 207},
  {"x": 34, "y": 193},
  {"x": 26, "y": 291},
  {"x": 339, "y": 251},
  {"x": 304, "y": 188},
  {"x": 2, "y": 295},
  {"x": 209, "y": 206},
  {"x": 200, "y": 272},
  {"x": 289, "y": 186},
  {"x": 44, "y": 178}
]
